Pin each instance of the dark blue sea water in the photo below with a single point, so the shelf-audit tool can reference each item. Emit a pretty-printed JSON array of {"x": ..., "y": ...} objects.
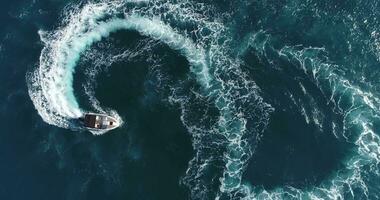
[{"x": 218, "y": 100}]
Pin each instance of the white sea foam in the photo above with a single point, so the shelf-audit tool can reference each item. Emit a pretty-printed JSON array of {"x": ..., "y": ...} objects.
[
  {"x": 221, "y": 78},
  {"x": 51, "y": 85},
  {"x": 359, "y": 114}
]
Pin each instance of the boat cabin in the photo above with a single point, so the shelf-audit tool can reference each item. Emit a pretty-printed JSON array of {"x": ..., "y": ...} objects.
[{"x": 99, "y": 121}]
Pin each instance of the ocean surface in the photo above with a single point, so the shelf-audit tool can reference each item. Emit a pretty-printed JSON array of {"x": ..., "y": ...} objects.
[{"x": 226, "y": 100}]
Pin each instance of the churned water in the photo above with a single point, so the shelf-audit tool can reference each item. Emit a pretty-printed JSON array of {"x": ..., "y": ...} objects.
[{"x": 217, "y": 99}]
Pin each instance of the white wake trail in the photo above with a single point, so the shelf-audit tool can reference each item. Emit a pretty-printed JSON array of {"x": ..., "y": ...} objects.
[{"x": 51, "y": 85}]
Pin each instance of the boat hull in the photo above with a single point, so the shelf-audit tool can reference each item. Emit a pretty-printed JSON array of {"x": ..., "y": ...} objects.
[{"x": 99, "y": 122}]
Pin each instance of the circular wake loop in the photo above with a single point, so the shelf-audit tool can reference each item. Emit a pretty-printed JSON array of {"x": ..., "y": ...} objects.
[
  {"x": 224, "y": 143},
  {"x": 242, "y": 113},
  {"x": 360, "y": 111}
]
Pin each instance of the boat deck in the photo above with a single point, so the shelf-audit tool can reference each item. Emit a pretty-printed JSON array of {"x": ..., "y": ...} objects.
[{"x": 98, "y": 121}]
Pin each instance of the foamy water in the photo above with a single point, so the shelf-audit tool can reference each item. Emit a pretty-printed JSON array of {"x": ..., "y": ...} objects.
[{"x": 236, "y": 97}]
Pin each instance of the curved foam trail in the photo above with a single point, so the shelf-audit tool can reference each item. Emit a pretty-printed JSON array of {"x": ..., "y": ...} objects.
[
  {"x": 51, "y": 85},
  {"x": 359, "y": 116}
]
